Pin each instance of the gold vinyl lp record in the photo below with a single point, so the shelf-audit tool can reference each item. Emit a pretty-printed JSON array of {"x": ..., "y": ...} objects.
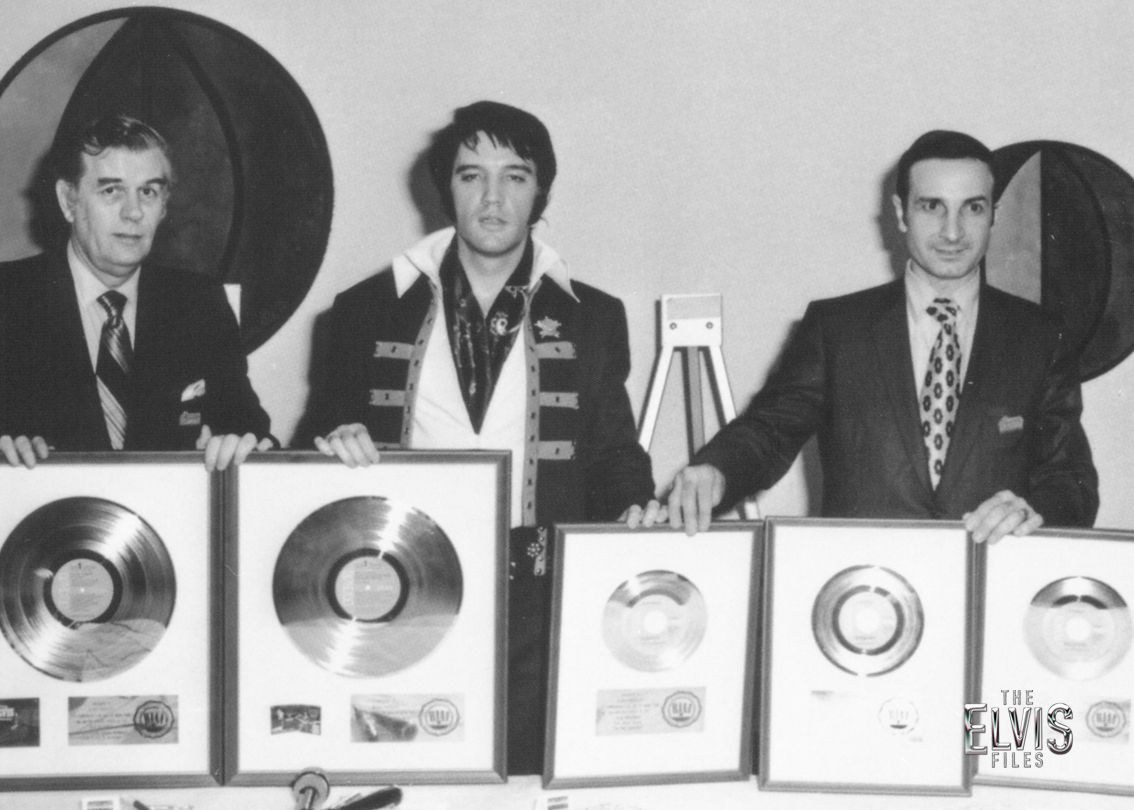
[
  {"x": 366, "y": 586},
  {"x": 1078, "y": 627},
  {"x": 654, "y": 620},
  {"x": 867, "y": 620},
  {"x": 87, "y": 589}
]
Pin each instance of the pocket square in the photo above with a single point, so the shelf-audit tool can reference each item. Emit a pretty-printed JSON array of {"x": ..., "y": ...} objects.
[
  {"x": 1007, "y": 424},
  {"x": 189, "y": 419},
  {"x": 193, "y": 390}
]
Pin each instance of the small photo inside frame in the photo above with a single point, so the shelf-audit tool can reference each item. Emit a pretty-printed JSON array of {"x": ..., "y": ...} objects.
[
  {"x": 365, "y": 610},
  {"x": 1053, "y": 708},
  {"x": 653, "y": 639},
  {"x": 866, "y": 665},
  {"x": 109, "y": 664}
]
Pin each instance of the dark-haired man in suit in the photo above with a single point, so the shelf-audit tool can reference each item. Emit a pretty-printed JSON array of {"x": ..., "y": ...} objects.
[
  {"x": 101, "y": 350},
  {"x": 934, "y": 396}
]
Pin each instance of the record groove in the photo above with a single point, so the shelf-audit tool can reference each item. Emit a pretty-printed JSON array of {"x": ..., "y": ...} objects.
[
  {"x": 87, "y": 589},
  {"x": 1078, "y": 627},
  {"x": 366, "y": 586},
  {"x": 654, "y": 620},
  {"x": 867, "y": 620}
]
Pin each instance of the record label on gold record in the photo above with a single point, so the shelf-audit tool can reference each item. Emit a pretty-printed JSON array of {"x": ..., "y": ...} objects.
[
  {"x": 1078, "y": 627},
  {"x": 867, "y": 620},
  {"x": 654, "y": 620},
  {"x": 366, "y": 586},
  {"x": 87, "y": 589}
]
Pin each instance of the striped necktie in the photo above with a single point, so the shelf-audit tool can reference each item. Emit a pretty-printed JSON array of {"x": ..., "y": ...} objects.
[{"x": 113, "y": 370}]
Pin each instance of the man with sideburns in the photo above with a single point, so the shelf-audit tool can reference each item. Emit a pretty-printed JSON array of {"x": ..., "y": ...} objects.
[{"x": 477, "y": 338}]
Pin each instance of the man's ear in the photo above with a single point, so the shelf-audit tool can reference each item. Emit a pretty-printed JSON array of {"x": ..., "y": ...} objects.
[
  {"x": 65, "y": 193},
  {"x": 900, "y": 213}
]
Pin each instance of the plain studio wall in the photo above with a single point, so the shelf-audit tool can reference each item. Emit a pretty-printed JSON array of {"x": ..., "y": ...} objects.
[{"x": 734, "y": 146}]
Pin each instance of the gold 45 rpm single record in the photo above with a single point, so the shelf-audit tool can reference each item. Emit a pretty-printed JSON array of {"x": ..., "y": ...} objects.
[
  {"x": 366, "y": 586},
  {"x": 86, "y": 589},
  {"x": 1078, "y": 627},
  {"x": 654, "y": 620},
  {"x": 867, "y": 620}
]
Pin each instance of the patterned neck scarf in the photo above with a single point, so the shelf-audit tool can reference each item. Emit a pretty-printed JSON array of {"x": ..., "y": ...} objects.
[{"x": 480, "y": 344}]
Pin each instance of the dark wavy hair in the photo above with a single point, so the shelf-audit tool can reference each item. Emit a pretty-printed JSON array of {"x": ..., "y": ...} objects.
[
  {"x": 505, "y": 126},
  {"x": 109, "y": 131},
  {"x": 943, "y": 144}
]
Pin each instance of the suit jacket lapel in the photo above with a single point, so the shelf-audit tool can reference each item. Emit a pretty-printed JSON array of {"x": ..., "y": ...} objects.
[
  {"x": 981, "y": 373},
  {"x": 67, "y": 348},
  {"x": 892, "y": 344}
]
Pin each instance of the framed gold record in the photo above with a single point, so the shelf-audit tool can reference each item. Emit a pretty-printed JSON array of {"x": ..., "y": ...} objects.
[
  {"x": 1058, "y": 631},
  {"x": 666, "y": 625},
  {"x": 107, "y": 600},
  {"x": 379, "y": 594},
  {"x": 864, "y": 654}
]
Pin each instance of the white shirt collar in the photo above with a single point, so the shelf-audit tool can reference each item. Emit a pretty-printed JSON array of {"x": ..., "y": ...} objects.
[
  {"x": 920, "y": 292},
  {"x": 424, "y": 259}
]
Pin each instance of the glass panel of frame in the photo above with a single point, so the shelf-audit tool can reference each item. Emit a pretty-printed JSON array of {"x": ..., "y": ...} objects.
[
  {"x": 652, "y": 655},
  {"x": 866, "y": 668},
  {"x": 1054, "y": 705},
  {"x": 107, "y": 601},
  {"x": 365, "y": 615}
]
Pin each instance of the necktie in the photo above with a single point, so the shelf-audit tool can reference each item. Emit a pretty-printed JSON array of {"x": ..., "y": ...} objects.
[
  {"x": 941, "y": 389},
  {"x": 113, "y": 369}
]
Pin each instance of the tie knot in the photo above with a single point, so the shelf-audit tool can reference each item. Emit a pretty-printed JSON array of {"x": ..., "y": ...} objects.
[
  {"x": 113, "y": 302},
  {"x": 943, "y": 309}
]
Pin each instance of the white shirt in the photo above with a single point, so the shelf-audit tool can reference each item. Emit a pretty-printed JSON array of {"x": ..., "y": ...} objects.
[
  {"x": 440, "y": 419},
  {"x": 924, "y": 327},
  {"x": 88, "y": 288}
]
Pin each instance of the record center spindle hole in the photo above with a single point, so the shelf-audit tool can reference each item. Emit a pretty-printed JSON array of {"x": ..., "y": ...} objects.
[
  {"x": 368, "y": 588},
  {"x": 82, "y": 590},
  {"x": 655, "y": 622},
  {"x": 1078, "y": 629}
]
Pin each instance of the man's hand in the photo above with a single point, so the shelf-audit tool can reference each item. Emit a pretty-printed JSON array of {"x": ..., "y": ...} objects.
[
  {"x": 696, "y": 491},
  {"x": 19, "y": 450},
  {"x": 351, "y": 443},
  {"x": 1002, "y": 514},
  {"x": 228, "y": 448},
  {"x": 635, "y": 516}
]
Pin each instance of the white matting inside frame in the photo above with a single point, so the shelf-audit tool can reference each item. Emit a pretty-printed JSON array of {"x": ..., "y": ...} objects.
[
  {"x": 824, "y": 727},
  {"x": 1058, "y": 631},
  {"x": 461, "y": 493},
  {"x": 680, "y": 715},
  {"x": 98, "y": 731}
]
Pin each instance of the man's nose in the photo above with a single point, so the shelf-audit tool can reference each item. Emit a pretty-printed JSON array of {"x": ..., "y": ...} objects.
[
  {"x": 131, "y": 208},
  {"x": 492, "y": 189},
  {"x": 952, "y": 228}
]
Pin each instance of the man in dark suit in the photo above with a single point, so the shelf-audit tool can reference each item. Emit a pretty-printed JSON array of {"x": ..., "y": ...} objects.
[
  {"x": 935, "y": 396},
  {"x": 97, "y": 351}
]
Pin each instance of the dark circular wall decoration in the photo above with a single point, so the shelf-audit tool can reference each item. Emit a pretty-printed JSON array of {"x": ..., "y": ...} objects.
[
  {"x": 1064, "y": 238},
  {"x": 253, "y": 192}
]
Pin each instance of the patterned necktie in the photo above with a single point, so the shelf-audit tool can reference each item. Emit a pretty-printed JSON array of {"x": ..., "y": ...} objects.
[
  {"x": 941, "y": 390},
  {"x": 113, "y": 369}
]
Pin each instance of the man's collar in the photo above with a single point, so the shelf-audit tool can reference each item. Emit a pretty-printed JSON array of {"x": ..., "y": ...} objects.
[
  {"x": 424, "y": 259},
  {"x": 921, "y": 293},
  {"x": 88, "y": 286}
]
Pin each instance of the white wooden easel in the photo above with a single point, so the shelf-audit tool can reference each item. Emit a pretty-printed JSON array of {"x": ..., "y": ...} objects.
[{"x": 691, "y": 323}]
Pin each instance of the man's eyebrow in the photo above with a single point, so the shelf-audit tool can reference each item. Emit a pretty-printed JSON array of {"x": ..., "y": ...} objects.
[
  {"x": 523, "y": 167},
  {"x": 111, "y": 181}
]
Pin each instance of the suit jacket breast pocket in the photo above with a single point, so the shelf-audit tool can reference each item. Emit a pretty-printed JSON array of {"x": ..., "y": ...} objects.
[{"x": 1004, "y": 428}]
